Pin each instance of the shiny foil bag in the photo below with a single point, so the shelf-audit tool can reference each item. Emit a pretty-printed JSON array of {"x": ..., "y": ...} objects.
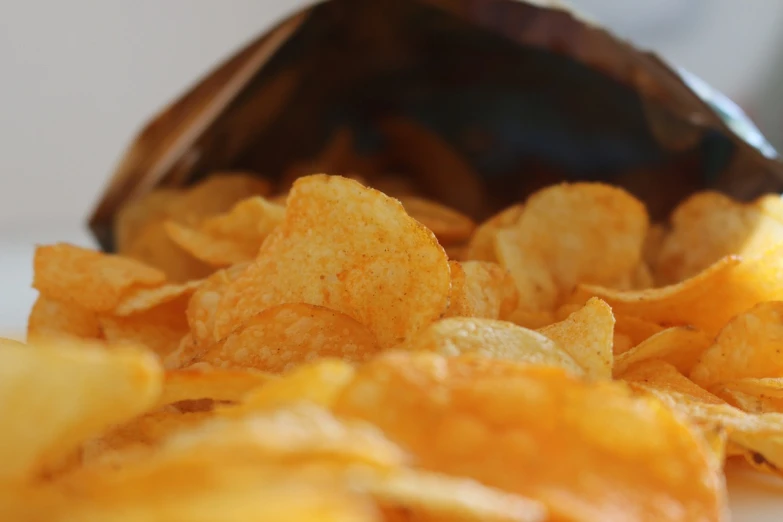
[{"x": 527, "y": 95}]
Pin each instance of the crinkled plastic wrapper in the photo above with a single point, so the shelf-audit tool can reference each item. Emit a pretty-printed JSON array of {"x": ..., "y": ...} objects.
[{"x": 527, "y": 94}]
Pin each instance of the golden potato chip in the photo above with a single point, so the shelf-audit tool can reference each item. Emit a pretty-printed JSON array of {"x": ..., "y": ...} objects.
[
  {"x": 491, "y": 338},
  {"x": 707, "y": 301},
  {"x": 587, "y": 336},
  {"x": 573, "y": 233},
  {"x": 52, "y": 318},
  {"x": 634, "y": 328},
  {"x": 202, "y": 490},
  {"x": 230, "y": 238},
  {"x": 680, "y": 346},
  {"x": 482, "y": 244},
  {"x": 203, "y": 306},
  {"x": 532, "y": 320},
  {"x": 621, "y": 343},
  {"x": 442, "y": 497},
  {"x": 155, "y": 248},
  {"x": 56, "y": 395},
  {"x": 319, "y": 383},
  {"x": 131, "y": 441},
  {"x": 480, "y": 418},
  {"x": 219, "y": 385},
  {"x": 145, "y": 299},
  {"x": 283, "y": 336},
  {"x": 90, "y": 279},
  {"x": 135, "y": 215},
  {"x": 754, "y": 395},
  {"x": 439, "y": 169},
  {"x": 748, "y": 346},
  {"x": 215, "y": 195},
  {"x": 448, "y": 225},
  {"x": 350, "y": 249},
  {"x": 709, "y": 226},
  {"x": 210, "y": 250},
  {"x": 481, "y": 289},
  {"x": 758, "y": 437},
  {"x": 652, "y": 244},
  {"x": 160, "y": 328}
]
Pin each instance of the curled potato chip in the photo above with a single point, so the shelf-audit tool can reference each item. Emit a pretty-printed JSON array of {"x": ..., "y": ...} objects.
[
  {"x": 759, "y": 438},
  {"x": 350, "y": 249},
  {"x": 482, "y": 243},
  {"x": 480, "y": 417},
  {"x": 230, "y": 238},
  {"x": 707, "y": 301},
  {"x": 90, "y": 279},
  {"x": 218, "y": 385},
  {"x": 680, "y": 346},
  {"x": 52, "y": 318},
  {"x": 283, "y": 336},
  {"x": 160, "y": 328},
  {"x": 318, "y": 383},
  {"x": 216, "y": 194},
  {"x": 481, "y": 289},
  {"x": 754, "y": 395},
  {"x": 587, "y": 335},
  {"x": 491, "y": 338},
  {"x": 575, "y": 233},
  {"x": 709, "y": 226},
  {"x": 439, "y": 169},
  {"x": 748, "y": 346},
  {"x": 57, "y": 394},
  {"x": 635, "y": 329},
  {"x": 135, "y": 215},
  {"x": 202, "y": 308},
  {"x": 147, "y": 298},
  {"x": 448, "y": 225},
  {"x": 155, "y": 248}
]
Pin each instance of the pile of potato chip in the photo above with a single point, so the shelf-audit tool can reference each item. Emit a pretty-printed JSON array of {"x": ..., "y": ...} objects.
[{"x": 330, "y": 352}]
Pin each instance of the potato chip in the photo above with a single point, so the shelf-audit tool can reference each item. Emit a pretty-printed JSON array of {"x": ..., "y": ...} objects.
[
  {"x": 145, "y": 299},
  {"x": 201, "y": 490},
  {"x": 135, "y": 215},
  {"x": 55, "y": 395},
  {"x": 283, "y": 336},
  {"x": 219, "y": 385},
  {"x": 217, "y": 194},
  {"x": 52, "y": 318},
  {"x": 160, "y": 328},
  {"x": 754, "y": 395},
  {"x": 480, "y": 418},
  {"x": 448, "y": 225},
  {"x": 748, "y": 346},
  {"x": 634, "y": 328},
  {"x": 680, "y": 346},
  {"x": 90, "y": 279},
  {"x": 652, "y": 244},
  {"x": 350, "y": 249},
  {"x": 709, "y": 226},
  {"x": 207, "y": 249},
  {"x": 318, "y": 383},
  {"x": 482, "y": 244},
  {"x": 423, "y": 494},
  {"x": 587, "y": 336},
  {"x": 621, "y": 343},
  {"x": 707, "y": 301},
  {"x": 155, "y": 248},
  {"x": 439, "y": 169},
  {"x": 481, "y": 289},
  {"x": 491, "y": 338},
  {"x": 758, "y": 437},
  {"x": 575, "y": 233},
  {"x": 203, "y": 306}
]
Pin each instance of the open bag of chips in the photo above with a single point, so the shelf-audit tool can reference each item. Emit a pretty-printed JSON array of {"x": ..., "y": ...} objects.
[{"x": 387, "y": 332}]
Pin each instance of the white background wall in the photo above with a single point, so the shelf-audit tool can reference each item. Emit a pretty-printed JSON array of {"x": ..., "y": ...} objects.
[{"x": 79, "y": 77}]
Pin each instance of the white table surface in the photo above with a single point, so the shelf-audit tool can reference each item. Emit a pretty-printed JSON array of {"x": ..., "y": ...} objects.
[{"x": 752, "y": 497}]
